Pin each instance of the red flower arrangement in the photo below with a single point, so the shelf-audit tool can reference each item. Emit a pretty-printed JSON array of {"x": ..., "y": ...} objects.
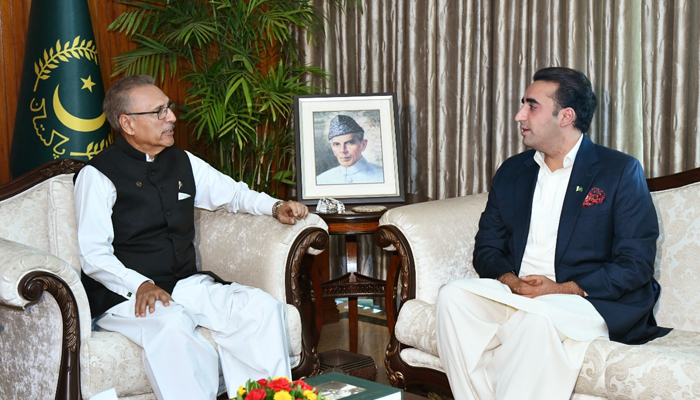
[
  {"x": 277, "y": 389},
  {"x": 595, "y": 196}
]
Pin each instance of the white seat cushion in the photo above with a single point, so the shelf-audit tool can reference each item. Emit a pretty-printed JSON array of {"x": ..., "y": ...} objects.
[
  {"x": 665, "y": 368},
  {"x": 416, "y": 326}
]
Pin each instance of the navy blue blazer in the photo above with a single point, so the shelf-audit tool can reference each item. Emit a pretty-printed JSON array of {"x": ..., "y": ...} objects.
[{"x": 608, "y": 249}]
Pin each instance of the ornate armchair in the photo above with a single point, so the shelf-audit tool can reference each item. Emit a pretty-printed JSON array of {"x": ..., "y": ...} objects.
[
  {"x": 47, "y": 347},
  {"x": 434, "y": 242}
]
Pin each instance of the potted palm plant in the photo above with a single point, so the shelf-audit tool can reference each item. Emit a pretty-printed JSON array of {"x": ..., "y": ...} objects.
[{"x": 240, "y": 63}]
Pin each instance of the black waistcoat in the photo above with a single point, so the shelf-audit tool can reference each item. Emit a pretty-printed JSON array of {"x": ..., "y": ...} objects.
[{"x": 153, "y": 228}]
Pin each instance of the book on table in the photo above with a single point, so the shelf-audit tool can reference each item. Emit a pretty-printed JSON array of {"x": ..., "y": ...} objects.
[{"x": 335, "y": 386}]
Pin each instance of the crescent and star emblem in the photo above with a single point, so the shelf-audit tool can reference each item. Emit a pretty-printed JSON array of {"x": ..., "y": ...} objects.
[
  {"x": 73, "y": 122},
  {"x": 60, "y": 131}
]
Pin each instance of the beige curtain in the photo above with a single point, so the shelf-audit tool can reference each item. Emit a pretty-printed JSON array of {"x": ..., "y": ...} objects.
[{"x": 460, "y": 67}]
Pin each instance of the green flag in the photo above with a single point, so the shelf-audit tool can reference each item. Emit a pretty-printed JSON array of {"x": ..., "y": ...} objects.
[{"x": 59, "y": 111}]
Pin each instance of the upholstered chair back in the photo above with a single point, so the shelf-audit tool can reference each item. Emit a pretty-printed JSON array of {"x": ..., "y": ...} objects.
[
  {"x": 677, "y": 265},
  {"x": 429, "y": 223}
]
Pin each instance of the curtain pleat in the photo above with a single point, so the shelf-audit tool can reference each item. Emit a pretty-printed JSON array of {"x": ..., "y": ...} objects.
[
  {"x": 460, "y": 68},
  {"x": 670, "y": 76}
]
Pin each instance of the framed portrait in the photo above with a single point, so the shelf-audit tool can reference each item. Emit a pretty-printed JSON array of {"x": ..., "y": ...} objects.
[{"x": 348, "y": 148}]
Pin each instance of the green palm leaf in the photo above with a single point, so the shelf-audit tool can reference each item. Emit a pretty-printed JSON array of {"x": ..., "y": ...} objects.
[{"x": 240, "y": 64}]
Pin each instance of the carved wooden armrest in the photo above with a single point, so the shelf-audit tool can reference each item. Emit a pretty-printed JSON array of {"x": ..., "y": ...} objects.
[
  {"x": 400, "y": 276},
  {"x": 27, "y": 273},
  {"x": 434, "y": 241}
]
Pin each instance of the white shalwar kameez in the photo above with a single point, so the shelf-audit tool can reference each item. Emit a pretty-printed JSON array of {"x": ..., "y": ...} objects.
[
  {"x": 247, "y": 324},
  {"x": 496, "y": 345}
]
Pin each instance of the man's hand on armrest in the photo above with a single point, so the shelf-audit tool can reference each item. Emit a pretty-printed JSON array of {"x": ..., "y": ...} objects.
[
  {"x": 147, "y": 295},
  {"x": 290, "y": 211}
]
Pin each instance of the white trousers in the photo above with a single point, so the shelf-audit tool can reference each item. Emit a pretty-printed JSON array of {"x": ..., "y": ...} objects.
[
  {"x": 497, "y": 345},
  {"x": 247, "y": 325}
]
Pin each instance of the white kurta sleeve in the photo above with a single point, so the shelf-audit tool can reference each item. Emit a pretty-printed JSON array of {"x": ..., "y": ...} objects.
[
  {"x": 95, "y": 196},
  {"x": 216, "y": 190}
]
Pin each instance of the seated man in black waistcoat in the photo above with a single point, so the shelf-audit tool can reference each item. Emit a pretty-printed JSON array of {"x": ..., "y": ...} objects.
[{"x": 135, "y": 209}]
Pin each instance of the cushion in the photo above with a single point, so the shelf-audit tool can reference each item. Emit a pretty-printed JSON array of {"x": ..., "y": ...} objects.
[
  {"x": 677, "y": 268},
  {"x": 248, "y": 249},
  {"x": 591, "y": 379},
  {"x": 24, "y": 218},
  {"x": 420, "y": 359},
  {"x": 665, "y": 368},
  {"x": 416, "y": 326},
  {"x": 63, "y": 227}
]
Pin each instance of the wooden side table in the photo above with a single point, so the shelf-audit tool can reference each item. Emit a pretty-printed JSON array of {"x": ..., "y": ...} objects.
[{"x": 352, "y": 284}]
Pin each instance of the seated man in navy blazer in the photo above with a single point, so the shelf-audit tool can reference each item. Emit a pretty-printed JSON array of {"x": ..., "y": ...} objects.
[{"x": 565, "y": 253}]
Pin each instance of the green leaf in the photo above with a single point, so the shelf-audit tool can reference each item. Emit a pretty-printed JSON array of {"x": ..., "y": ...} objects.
[{"x": 216, "y": 49}]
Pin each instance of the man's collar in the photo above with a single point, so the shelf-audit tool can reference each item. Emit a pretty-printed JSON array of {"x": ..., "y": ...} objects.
[
  {"x": 355, "y": 168},
  {"x": 568, "y": 159},
  {"x": 131, "y": 151}
]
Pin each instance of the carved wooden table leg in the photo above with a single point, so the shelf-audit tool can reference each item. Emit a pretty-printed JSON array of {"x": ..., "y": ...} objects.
[{"x": 352, "y": 285}]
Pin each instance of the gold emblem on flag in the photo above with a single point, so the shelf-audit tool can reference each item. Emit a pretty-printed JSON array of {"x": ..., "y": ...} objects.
[{"x": 51, "y": 60}]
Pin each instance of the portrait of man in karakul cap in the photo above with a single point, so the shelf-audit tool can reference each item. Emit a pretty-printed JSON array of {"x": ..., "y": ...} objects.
[{"x": 347, "y": 140}]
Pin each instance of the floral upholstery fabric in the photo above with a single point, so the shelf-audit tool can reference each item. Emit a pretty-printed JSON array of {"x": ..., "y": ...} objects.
[
  {"x": 665, "y": 368},
  {"x": 578, "y": 396},
  {"x": 677, "y": 264},
  {"x": 591, "y": 379},
  {"x": 441, "y": 238},
  {"x": 416, "y": 326},
  {"x": 30, "y": 361},
  {"x": 17, "y": 259},
  {"x": 421, "y": 359}
]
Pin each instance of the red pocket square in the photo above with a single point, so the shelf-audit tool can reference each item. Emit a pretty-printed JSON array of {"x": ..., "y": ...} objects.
[{"x": 595, "y": 196}]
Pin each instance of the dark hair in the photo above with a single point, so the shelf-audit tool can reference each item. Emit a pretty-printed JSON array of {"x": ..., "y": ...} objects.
[
  {"x": 574, "y": 91},
  {"x": 118, "y": 97}
]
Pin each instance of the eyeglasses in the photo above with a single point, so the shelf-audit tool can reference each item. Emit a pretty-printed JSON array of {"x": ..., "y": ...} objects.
[{"x": 161, "y": 112}]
